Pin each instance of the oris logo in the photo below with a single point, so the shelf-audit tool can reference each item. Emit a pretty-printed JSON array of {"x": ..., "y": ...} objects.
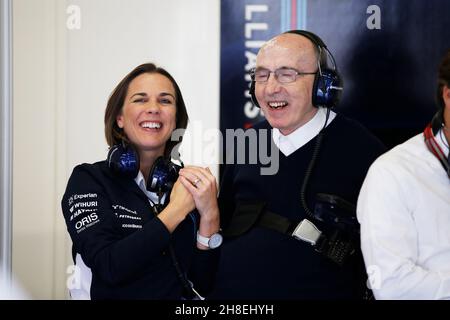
[{"x": 86, "y": 220}]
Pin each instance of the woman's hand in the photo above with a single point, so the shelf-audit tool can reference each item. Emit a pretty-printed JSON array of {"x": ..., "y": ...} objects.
[
  {"x": 181, "y": 197},
  {"x": 203, "y": 187},
  {"x": 181, "y": 203}
]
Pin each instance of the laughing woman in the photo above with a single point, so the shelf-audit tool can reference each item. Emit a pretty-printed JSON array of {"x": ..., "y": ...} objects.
[{"x": 129, "y": 240}]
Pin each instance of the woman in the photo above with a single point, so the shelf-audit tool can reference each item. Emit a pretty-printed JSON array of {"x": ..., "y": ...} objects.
[{"x": 136, "y": 243}]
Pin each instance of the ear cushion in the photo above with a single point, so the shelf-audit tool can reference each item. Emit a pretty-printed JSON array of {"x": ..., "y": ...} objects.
[
  {"x": 163, "y": 175},
  {"x": 324, "y": 92},
  {"x": 154, "y": 174},
  {"x": 123, "y": 160}
]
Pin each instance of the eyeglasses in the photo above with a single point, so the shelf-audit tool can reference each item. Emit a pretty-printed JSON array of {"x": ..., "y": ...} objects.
[{"x": 282, "y": 75}]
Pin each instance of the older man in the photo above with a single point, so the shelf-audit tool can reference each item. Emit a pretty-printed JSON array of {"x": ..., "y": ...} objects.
[{"x": 294, "y": 234}]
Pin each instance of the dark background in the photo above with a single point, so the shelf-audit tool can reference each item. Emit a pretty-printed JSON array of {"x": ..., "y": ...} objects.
[{"x": 389, "y": 74}]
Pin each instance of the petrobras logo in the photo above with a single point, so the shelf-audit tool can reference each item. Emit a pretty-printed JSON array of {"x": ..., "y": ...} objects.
[{"x": 86, "y": 222}]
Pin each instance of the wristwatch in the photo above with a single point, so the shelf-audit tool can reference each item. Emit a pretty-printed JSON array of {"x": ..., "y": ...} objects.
[{"x": 214, "y": 241}]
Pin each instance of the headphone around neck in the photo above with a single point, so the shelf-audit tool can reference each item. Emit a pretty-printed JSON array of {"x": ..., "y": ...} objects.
[
  {"x": 328, "y": 84},
  {"x": 123, "y": 160}
]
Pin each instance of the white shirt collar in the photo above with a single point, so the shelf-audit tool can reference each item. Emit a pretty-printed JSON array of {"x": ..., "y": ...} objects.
[
  {"x": 295, "y": 140},
  {"x": 152, "y": 196}
]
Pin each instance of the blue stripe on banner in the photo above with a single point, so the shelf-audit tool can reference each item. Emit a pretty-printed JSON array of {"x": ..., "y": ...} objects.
[
  {"x": 304, "y": 13},
  {"x": 299, "y": 14},
  {"x": 286, "y": 10},
  {"x": 288, "y": 15}
]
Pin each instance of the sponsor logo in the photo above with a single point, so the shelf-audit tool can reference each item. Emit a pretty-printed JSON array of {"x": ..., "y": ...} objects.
[
  {"x": 80, "y": 211},
  {"x": 118, "y": 206},
  {"x": 131, "y": 225},
  {"x": 86, "y": 222},
  {"x": 125, "y": 216},
  {"x": 86, "y": 196},
  {"x": 83, "y": 196},
  {"x": 83, "y": 205}
]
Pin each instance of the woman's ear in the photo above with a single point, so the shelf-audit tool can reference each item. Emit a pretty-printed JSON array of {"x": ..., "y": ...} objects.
[{"x": 119, "y": 121}]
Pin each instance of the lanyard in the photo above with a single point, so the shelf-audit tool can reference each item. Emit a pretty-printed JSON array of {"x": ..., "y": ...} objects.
[{"x": 435, "y": 149}]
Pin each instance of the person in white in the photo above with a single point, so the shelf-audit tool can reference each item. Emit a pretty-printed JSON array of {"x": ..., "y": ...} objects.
[{"x": 404, "y": 211}]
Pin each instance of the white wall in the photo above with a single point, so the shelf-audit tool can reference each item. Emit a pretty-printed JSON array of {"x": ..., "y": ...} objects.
[
  {"x": 62, "y": 80},
  {"x": 117, "y": 35}
]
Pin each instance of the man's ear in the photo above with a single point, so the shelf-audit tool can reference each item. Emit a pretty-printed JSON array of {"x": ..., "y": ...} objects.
[{"x": 446, "y": 92}]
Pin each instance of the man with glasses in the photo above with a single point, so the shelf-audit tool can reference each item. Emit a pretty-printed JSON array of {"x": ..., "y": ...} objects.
[{"x": 293, "y": 235}]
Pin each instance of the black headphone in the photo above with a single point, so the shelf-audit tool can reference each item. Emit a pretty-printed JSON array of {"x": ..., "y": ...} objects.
[
  {"x": 328, "y": 85},
  {"x": 123, "y": 160}
]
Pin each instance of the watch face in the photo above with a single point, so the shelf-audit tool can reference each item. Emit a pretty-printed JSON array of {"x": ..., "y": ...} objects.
[{"x": 215, "y": 240}]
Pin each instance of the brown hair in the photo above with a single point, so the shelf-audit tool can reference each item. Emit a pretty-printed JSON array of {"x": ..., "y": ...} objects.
[
  {"x": 115, "y": 135},
  {"x": 443, "y": 79}
]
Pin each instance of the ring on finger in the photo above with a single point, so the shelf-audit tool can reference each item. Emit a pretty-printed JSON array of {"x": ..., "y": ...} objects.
[{"x": 196, "y": 181}]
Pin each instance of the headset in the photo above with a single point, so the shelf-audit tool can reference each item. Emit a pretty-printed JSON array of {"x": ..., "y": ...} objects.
[
  {"x": 328, "y": 84},
  {"x": 429, "y": 133},
  {"x": 123, "y": 160}
]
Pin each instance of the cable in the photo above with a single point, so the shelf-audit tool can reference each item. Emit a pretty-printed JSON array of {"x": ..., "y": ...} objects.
[
  {"x": 188, "y": 289},
  {"x": 310, "y": 168}
]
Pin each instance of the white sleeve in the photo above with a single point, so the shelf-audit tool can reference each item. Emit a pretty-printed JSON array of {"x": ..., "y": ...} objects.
[
  {"x": 389, "y": 238},
  {"x": 80, "y": 284}
]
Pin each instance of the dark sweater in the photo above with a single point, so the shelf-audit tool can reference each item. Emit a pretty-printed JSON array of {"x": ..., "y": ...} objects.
[
  {"x": 112, "y": 226},
  {"x": 266, "y": 264}
]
